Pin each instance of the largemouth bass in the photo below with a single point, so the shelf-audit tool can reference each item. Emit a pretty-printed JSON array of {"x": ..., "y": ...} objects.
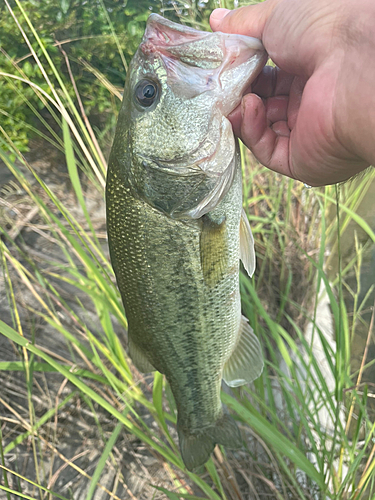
[{"x": 176, "y": 227}]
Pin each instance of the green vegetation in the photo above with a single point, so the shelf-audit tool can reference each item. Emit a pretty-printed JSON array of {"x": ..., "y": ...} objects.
[
  {"x": 80, "y": 41},
  {"x": 307, "y": 423}
]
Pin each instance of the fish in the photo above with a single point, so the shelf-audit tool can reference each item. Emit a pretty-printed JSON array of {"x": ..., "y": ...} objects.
[{"x": 176, "y": 226}]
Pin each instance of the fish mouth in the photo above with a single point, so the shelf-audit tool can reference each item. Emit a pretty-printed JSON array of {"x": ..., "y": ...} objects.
[
  {"x": 198, "y": 61},
  {"x": 161, "y": 33},
  {"x": 180, "y": 42}
]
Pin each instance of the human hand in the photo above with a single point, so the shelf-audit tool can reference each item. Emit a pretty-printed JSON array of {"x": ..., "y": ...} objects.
[{"x": 313, "y": 117}]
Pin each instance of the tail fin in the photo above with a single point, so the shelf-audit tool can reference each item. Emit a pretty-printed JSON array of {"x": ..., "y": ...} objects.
[{"x": 196, "y": 448}]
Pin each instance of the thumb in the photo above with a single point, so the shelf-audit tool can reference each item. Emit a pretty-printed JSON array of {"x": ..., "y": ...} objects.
[
  {"x": 249, "y": 20},
  {"x": 216, "y": 18}
]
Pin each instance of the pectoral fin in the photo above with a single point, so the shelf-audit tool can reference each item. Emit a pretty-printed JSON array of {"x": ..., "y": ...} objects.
[
  {"x": 246, "y": 361},
  {"x": 247, "y": 252},
  {"x": 213, "y": 250},
  {"x": 139, "y": 358}
]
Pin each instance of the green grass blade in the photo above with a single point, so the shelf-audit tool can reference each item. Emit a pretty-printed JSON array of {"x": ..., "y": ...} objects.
[
  {"x": 275, "y": 439},
  {"x": 157, "y": 398},
  {"x": 170, "y": 494},
  {"x": 103, "y": 459},
  {"x": 2, "y": 453},
  {"x": 73, "y": 173},
  {"x": 18, "y": 339},
  {"x": 210, "y": 466},
  {"x": 19, "y": 366},
  {"x": 18, "y": 494},
  {"x": 357, "y": 218}
]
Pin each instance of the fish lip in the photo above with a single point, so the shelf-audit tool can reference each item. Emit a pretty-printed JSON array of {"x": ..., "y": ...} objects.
[
  {"x": 155, "y": 20},
  {"x": 164, "y": 37}
]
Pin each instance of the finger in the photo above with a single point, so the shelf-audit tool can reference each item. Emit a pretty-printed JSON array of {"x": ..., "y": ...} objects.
[
  {"x": 248, "y": 20},
  {"x": 276, "y": 116},
  {"x": 270, "y": 148},
  {"x": 272, "y": 81},
  {"x": 216, "y": 17},
  {"x": 276, "y": 109},
  {"x": 295, "y": 98},
  {"x": 235, "y": 118},
  {"x": 281, "y": 128}
]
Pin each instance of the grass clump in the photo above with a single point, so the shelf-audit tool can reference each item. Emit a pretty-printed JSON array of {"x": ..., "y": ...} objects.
[
  {"x": 78, "y": 421},
  {"x": 67, "y": 29}
]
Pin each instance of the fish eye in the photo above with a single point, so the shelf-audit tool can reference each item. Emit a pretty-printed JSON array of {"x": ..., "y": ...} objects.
[{"x": 146, "y": 91}]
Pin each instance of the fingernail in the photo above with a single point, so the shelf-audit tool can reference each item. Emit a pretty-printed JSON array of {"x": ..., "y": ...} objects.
[
  {"x": 244, "y": 104},
  {"x": 219, "y": 14}
]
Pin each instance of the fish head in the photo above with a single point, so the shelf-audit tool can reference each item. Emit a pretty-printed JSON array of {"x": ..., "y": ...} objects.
[{"x": 181, "y": 85}]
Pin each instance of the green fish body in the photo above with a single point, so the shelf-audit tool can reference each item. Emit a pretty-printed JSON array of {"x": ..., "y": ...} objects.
[{"x": 176, "y": 227}]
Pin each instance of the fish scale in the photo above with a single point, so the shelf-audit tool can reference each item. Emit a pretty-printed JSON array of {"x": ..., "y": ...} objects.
[{"x": 176, "y": 228}]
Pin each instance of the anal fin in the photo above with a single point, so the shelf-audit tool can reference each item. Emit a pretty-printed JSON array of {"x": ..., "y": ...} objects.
[
  {"x": 139, "y": 358},
  {"x": 247, "y": 252},
  {"x": 246, "y": 361}
]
